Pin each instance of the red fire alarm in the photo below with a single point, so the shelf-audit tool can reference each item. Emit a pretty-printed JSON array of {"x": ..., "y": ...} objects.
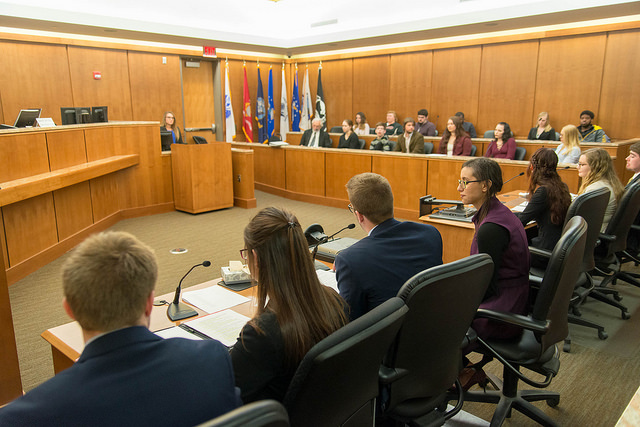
[
  {"x": 97, "y": 75},
  {"x": 209, "y": 51}
]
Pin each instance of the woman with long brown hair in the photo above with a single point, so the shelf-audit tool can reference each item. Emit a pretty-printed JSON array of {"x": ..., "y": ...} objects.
[
  {"x": 548, "y": 198},
  {"x": 455, "y": 141},
  {"x": 294, "y": 311}
]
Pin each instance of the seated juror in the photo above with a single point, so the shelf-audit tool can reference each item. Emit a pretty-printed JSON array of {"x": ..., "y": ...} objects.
[
  {"x": 316, "y": 137},
  {"x": 294, "y": 311},
  {"x": 393, "y": 127},
  {"x": 348, "y": 139},
  {"x": 381, "y": 141},
  {"x": 373, "y": 269},
  {"x": 126, "y": 375},
  {"x": 410, "y": 141},
  {"x": 455, "y": 141}
]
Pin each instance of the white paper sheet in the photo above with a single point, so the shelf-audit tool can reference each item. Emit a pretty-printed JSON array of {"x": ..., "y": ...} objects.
[
  {"x": 176, "y": 332},
  {"x": 214, "y": 298},
  {"x": 224, "y": 326},
  {"x": 328, "y": 278}
]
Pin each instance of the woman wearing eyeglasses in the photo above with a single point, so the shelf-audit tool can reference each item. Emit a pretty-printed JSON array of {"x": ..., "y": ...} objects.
[
  {"x": 548, "y": 198},
  {"x": 499, "y": 233},
  {"x": 294, "y": 311},
  {"x": 169, "y": 124}
]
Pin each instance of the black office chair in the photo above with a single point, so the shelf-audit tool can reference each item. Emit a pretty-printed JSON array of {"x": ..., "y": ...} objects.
[
  {"x": 263, "y": 413},
  {"x": 428, "y": 147},
  {"x": 336, "y": 383},
  {"x": 590, "y": 206},
  {"x": 536, "y": 348},
  {"x": 489, "y": 134},
  {"x": 361, "y": 143},
  {"x": 520, "y": 153},
  {"x": 473, "y": 151},
  {"x": 425, "y": 359},
  {"x": 199, "y": 139},
  {"x": 614, "y": 242},
  {"x": 392, "y": 144},
  {"x": 336, "y": 129}
]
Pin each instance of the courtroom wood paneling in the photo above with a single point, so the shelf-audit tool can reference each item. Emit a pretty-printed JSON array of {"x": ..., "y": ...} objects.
[
  {"x": 112, "y": 90},
  {"x": 621, "y": 86},
  {"x": 105, "y": 197},
  {"x": 305, "y": 171},
  {"x": 243, "y": 178},
  {"x": 197, "y": 89},
  {"x": 34, "y": 75},
  {"x": 269, "y": 165},
  {"x": 30, "y": 227},
  {"x": 338, "y": 91},
  {"x": 66, "y": 148},
  {"x": 455, "y": 87},
  {"x": 410, "y": 84},
  {"x": 507, "y": 86},
  {"x": 10, "y": 372},
  {"x": 407, "y": 176},
  {"x": 23, "y": 154},
  {"x": 442, "y": 182},
  {"x": 371, "y": 88},
  {"x": 569, "y": 78},
  {"x": 155, "y": 87},
  {"x": 73, "y": 209},
  {"x": 340, "y": 168}
]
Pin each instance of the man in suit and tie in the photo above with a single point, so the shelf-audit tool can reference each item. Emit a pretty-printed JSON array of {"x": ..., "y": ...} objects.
[
  {"x": 126, "y": 375},
  {"x": 316, "y": 137},
  {"x": 410, "y": 141},
  {"x": 373, "y": 269}
]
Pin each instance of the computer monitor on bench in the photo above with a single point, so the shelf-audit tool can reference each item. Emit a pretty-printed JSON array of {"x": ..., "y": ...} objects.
[{"x": 27, "y": 118}]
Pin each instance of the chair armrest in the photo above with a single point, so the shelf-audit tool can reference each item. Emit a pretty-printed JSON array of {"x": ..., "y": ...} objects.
[
  {"x": 607, "y": 237},
  {"x": 388, "y": 375},
  {"x": 536, "y": 280},
  {"x": 540, "y": 252},
  {"x": 514, "y": 319},
  {"x": 635, "y": 227}
]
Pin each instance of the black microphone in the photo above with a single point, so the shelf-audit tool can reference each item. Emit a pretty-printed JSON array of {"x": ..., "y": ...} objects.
[
  {"x": 178, "y": 310},
  {"x": 514, "y": 177},
  {"x": 327, "y": 238}
]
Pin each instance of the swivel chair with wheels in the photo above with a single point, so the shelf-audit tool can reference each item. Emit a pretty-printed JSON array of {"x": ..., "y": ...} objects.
[
  {"x": 536, "y": 348},
  {"x": 425, "y": 359}
]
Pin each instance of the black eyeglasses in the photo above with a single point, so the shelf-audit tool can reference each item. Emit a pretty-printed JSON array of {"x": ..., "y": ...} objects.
[
  {"x": 351, "y": 208},
  {"x": 244, "y": 253},
  {"x": 464, "y": 183}
]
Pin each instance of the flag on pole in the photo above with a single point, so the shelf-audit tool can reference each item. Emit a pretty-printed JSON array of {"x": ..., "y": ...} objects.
[
  {"x": 247, "y": 125},
  {"x": 270, "y": 110},
  {"x": 321, "y": 111},
  {"x": 307, "y": 109},
  {"x": 230, "y": 124},
  {"x": 295, "y": 105},
  {"x": 261, "y": 113},
  {"x": 284, "y": 109}
]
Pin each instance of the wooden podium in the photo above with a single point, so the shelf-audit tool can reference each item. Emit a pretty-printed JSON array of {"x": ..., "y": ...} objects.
[{"x": 202, "y": 176}]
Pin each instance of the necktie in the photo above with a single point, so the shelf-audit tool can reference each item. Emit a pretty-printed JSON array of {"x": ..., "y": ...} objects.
[{"x": 314, "y": 139}]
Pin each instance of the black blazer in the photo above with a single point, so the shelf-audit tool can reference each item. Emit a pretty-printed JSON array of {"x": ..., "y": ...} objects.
[
  {"x": 546, "y": 136},
  {"x": 323, "y": 138},
  {"x": 352, "y": 142}
]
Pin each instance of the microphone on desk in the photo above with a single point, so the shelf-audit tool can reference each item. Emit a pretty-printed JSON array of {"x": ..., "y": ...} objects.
[
  {"x": 513, "y": 177},
  {"x": 178, "y": 310},
  {"x": 327, "y": 238}
]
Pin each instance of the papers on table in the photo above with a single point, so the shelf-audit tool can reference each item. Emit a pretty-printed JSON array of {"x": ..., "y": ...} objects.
[
  {"x": 224, "y": 326},
  {"x": 213, "y": 298},
  {"x": 520, "y": 207},
  {"x": 328, "y": 278},
  {"x": 176, "y": 332}
]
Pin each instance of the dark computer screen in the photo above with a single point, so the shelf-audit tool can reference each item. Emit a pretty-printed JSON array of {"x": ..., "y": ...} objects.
[
  {"x": 166, "y": 139},
  {"x": 83, "y": 114},
  {"x": 26, "y": 118},
  {"x": 68, "y": 116},
  {"x": 99, "y": 114}
]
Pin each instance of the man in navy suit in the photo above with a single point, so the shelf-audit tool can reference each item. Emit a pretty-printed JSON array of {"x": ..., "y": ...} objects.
[
  {"x": 126, "y": 375},
  {"x": 373, "y": 270}
]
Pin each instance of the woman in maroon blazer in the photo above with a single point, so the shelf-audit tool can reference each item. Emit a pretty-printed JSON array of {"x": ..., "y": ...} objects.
[
  {"x": 455, "y": 141},
  {"x": 504, "y": 146}
]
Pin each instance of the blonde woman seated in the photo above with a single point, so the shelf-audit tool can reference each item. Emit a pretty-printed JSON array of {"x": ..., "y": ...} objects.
[
  {"x": 294, "y": 311},
  {"x": 569, "y": 149},
  {"x": 543, "y": 131},
  {"x": 595, "y": 167}
]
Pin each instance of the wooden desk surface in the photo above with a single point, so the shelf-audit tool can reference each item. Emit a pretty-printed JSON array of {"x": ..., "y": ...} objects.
[
  {"x": 67, "y": 342},
  {"x": 457, "y": 235}
]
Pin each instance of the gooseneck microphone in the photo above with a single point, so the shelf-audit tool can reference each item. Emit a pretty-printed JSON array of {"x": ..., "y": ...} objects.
[
  {"x": 178, "y": 310},
  {"x": 513, "y": 177},
  {"x": 327, "y": 238}
]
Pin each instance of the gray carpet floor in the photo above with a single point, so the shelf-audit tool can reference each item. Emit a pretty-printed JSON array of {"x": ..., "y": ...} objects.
[{"x": 596, "y": 380}]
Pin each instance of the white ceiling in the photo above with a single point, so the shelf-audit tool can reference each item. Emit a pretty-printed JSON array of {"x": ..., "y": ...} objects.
[{"x": 298, "y": 26}]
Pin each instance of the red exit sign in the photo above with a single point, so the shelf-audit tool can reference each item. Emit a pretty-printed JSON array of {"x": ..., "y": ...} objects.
[{"x": 209, "y": 51}]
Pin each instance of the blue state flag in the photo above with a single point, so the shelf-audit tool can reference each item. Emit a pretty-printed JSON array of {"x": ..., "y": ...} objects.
[
  {"x": 270, "y": 109},
  {"x": 295, "y": 105},
  {"x": 261, "y": 113}
]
